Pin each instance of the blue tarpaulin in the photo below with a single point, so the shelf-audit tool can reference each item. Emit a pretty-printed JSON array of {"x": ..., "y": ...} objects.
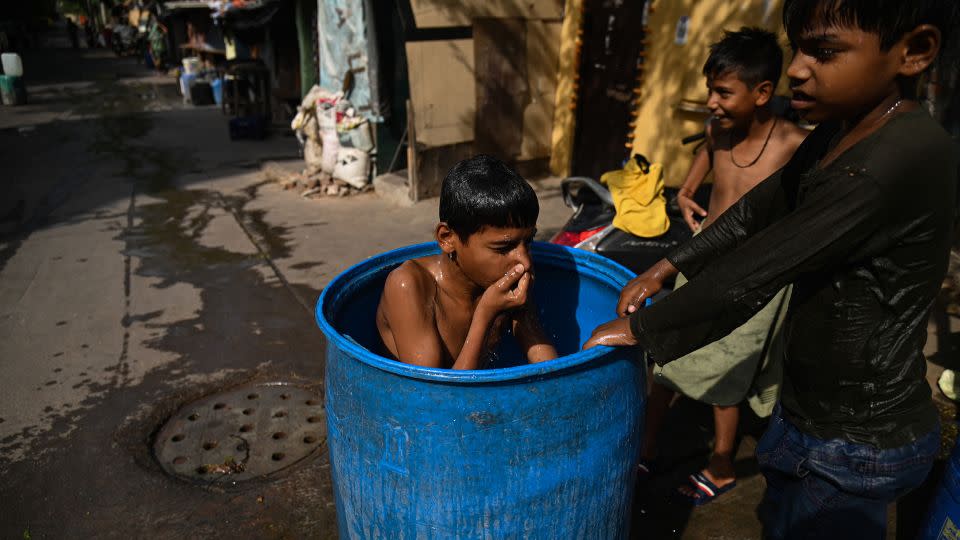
[{"x": 347, "y": 42}]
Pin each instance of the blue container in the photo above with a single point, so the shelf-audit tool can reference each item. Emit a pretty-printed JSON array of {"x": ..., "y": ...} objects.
[
  {"x": 12, "y": 90},
  {"x": 186, "y": 79},
  {"x": 247, "y": 127},
  {"x": 943, "y": 518},
  {"x": 216, "y": 86},
  {"x": 535, "y": 451}
]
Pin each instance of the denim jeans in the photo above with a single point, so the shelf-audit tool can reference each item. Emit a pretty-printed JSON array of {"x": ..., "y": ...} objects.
[{"x": 827, "y": 489}]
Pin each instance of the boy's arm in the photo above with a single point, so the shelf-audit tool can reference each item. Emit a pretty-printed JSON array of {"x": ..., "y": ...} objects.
[
  {"x": 473, "y": 347},
  {"x": 758, "y": 208},
  {"x": 531, "y": 337},
  {"x": 509, "y": 292},
  {"x": 411, "y": 319},
  {"x": 835, "y": 224},
  {"x": 698, "y": 171}
]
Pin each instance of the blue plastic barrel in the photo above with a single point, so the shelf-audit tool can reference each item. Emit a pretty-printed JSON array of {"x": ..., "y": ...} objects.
[
  {"x": 534, "y": 451},
  {"x": 216, "y": 86},
  {"x": 185, "y": 80},
  {"x": 943, "y": 518}
]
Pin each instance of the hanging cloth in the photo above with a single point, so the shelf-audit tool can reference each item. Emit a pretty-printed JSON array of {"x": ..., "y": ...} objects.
[{"x": 637, "y": 191}]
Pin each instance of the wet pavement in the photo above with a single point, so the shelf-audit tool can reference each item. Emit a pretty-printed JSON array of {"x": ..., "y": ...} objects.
[
  {"x": 130, "y": 288},
  {"x": 149, "y": 266}
]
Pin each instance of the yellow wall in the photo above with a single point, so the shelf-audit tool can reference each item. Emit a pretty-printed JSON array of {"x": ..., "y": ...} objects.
[
  {"x": 564, "y": 110},
  {"x": 673, "y": 72}
]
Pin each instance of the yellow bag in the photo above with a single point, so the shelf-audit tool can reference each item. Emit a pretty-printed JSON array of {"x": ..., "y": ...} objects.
[{"x": 637, "y": 191}]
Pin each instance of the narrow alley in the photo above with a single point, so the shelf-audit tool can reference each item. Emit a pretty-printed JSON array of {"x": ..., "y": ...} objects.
[{"x": 148, "y": 265}]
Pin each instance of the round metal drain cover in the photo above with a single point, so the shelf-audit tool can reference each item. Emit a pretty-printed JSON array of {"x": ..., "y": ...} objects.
[{"x": 247, "y": 432}]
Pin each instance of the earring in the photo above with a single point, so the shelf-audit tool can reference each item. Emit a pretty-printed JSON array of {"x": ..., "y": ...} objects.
[{"x": 452, "y": 255}]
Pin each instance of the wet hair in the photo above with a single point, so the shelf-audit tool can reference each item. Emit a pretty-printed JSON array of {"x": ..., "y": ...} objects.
[
  {"x": 889, "y": 19},
  {"x": 752, "y": 54},
  {"x": 483, "y": 191}
]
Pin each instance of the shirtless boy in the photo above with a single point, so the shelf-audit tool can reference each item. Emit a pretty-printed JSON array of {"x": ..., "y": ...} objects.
[
  {"x": 450, "y": 310},
  {"x": 746, "y": 143}
]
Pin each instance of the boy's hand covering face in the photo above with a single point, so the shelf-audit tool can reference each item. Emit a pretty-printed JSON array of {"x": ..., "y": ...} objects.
[
  {"x": 509, "y": 292},
  {"x": 489, "y": 254}
]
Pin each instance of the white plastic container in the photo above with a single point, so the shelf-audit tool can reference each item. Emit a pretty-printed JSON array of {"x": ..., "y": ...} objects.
[
  {"x": 12, "y": 65},
  {"x": 191, "y": 65}
]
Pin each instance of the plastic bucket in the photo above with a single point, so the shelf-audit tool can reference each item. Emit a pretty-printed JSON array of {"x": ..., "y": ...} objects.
[
  {"x": 186, "y": 79},
  {"x": 943, "y": 518},
  {"x": 534, "y": 451},
  {"x": 216, "y": 86},
  {"x": 191, "y": 65},
  {"x": 12, "y": 90},
  {"x": 12, "y": 65}
]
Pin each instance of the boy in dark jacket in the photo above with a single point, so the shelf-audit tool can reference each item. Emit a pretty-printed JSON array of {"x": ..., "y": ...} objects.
[{"x": 859, "y": 222}]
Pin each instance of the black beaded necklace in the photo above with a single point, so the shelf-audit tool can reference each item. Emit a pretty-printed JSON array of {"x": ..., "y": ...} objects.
[{"x": 748, "y": 165}]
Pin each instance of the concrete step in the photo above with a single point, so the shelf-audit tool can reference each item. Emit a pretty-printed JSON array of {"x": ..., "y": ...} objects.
[{"x": 393, "y": 188}]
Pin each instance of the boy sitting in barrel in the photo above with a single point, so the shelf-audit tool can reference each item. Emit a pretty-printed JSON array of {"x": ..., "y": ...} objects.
[{"x": 449, "y": 310}]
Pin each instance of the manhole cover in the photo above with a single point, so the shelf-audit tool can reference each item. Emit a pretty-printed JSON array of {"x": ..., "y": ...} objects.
[{"x": 248, "y": 432}]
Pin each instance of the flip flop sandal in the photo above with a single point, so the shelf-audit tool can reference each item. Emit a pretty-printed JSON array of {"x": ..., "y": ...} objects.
[{"x": 705, "y": 490}]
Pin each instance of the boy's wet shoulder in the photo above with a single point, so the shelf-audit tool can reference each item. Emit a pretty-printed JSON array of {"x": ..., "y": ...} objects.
[{"x": 413, "y": 274}]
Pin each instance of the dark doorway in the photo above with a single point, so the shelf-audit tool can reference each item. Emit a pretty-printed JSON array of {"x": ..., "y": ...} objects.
[
  {"x": 500, "y": 62},
  {"x": 612, "y": 42},
  {"x": 392, "y": 25}
]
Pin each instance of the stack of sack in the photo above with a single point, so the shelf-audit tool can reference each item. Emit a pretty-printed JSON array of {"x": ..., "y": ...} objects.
[{"x": 337, "y": 144}]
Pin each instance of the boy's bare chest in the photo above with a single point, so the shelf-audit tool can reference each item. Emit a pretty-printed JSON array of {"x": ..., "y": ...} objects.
[
  {"x": 743, "y": 167},
  {"x": 453, "y": 325},
  {"x": 733, "y": 179}
]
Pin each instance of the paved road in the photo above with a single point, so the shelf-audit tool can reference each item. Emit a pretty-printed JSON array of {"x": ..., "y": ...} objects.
[{"x": 128, "y": 288}]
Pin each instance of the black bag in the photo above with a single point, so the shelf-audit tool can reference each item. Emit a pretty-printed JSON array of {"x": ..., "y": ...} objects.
[{"x": 201, "y": 93}]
